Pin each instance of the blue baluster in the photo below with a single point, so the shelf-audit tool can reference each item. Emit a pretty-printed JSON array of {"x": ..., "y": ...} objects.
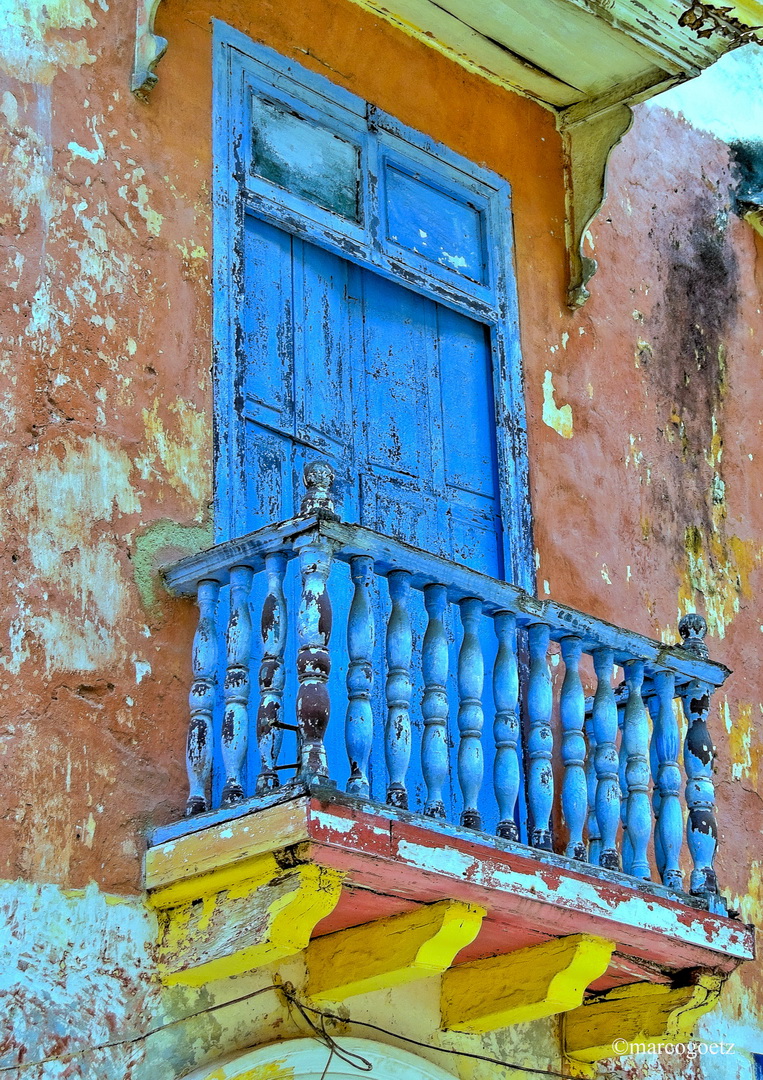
[
  {"x": 471, "y": 674},
  {"x": 652, "y": 704},
  {"x": 506, "y": 725},
  {"x": 592, "y": 824},
  {"x": 622, "y": 770},
  {"x": 572, "y": 714},
  {"x": 434, "y": 705},
  {"x": 201, "y": 699},
  {"x": 397, "y": 743},
  {"x": 235, "y": 727},
  {"x": 540, "y": 741},
  {"x": 636, "y": 743},
  {"x": 359, "y": 724},
  {"x": 667, "y": 741},
  {"x": 699, "y": 756},
  {"x": 606, "y": 760}
]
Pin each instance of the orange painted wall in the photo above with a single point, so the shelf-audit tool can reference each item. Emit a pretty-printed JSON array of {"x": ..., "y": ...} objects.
[{"x": 652, "y": 506}]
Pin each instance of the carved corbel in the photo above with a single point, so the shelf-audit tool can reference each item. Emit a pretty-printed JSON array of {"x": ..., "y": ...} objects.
[
  {"x": 588, "y": 141},
  {"x": 149, "y": 49}
]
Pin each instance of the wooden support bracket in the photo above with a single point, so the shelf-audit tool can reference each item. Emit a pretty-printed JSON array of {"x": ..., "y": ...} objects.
[
  {"x": 389, "y": 952},
  {"x": 527, "y": 984},
  {"x": 246, "y": 925},
  {"x": 643, "y": 1013}
]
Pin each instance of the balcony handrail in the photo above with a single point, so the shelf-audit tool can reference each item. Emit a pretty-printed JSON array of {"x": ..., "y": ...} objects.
[{"x": 351, "y": 540}]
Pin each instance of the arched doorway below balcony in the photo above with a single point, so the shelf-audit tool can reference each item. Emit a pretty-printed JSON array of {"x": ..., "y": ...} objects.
[{"x": 306, "y": 1059}]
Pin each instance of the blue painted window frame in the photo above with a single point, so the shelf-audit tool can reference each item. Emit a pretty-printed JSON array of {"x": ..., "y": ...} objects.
[{"x": 242, "y": 67}]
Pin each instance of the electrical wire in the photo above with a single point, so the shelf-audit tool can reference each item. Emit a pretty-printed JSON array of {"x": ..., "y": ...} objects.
[{"x": 335, "y": 1048}]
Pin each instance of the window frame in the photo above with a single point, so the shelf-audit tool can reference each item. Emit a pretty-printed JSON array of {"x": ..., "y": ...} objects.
[{"x": 242, "y": 66}]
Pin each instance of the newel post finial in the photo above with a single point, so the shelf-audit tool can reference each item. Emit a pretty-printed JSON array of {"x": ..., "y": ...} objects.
[
  {"x": 692, "y": 629},
  {"x": 317, "y": 501}
]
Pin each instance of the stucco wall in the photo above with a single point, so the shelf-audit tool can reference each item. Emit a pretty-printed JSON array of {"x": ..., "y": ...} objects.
[{"x": 645, "y": 432}]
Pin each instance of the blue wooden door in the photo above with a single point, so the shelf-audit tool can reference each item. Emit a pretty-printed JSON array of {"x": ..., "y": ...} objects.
[
  {"x": 395, "y": 390},
  {"x": 365, "y": 314}
]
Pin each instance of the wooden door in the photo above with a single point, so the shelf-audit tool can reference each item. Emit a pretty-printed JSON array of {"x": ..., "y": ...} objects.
[
  {"x": 395, "y": 390},
  {"x": 365, "y": 314}
]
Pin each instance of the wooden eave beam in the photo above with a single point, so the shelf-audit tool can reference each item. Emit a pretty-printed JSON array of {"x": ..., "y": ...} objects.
[
  {"x": 642, "y": 1013},
  {"x": 528, "y": 984},
  {"x": 389, "y": 952}
]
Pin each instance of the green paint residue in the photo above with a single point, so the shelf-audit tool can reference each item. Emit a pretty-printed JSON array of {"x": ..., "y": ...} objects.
[{"x": 162, "y": 537}]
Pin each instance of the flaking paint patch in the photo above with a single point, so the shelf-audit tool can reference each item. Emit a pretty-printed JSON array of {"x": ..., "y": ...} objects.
[
  {"x": 76, "y": 973},
  {"x": 66, "y": 502},
  {"x": 37, "y": 42},
  {"x": 181, "y": 459},
  {"x": 717, "y": 569},
  {"x": 557, "y": 417}
]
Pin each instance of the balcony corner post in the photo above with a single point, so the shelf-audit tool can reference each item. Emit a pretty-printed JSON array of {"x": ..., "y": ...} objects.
[
  {"x": 273, "y": 627},
  {"x": 313, "y": 658}
]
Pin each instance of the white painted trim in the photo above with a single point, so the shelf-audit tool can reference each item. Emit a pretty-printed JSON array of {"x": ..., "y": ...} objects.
[{"x": 305, "y": 1059}]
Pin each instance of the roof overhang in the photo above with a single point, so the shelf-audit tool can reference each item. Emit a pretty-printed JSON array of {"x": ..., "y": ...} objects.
[{"x": 587, "y": 60}]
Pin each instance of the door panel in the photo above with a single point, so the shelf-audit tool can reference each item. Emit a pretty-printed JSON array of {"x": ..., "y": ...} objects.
[{"x": 395, "y": 391}]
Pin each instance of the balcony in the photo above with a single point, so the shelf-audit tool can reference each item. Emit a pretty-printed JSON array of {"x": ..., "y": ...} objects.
[{"x": 577, "y": 878}]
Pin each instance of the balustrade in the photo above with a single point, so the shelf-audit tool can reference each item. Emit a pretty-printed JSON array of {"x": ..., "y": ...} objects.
[{"x": 621, "y": 803}]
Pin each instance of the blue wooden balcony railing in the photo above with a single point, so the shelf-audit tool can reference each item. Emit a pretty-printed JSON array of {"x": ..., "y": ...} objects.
[{"x": 606, "y": 777}]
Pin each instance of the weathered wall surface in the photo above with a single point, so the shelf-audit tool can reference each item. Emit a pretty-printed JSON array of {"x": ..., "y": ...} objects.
[{"x": 645, "y": 435}]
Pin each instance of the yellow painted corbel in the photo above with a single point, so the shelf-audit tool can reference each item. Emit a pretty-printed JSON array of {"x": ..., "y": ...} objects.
[
  {"x": 389, "y": 952},
  {"x": 243, "y": 927},
  {"x": 649, "y": 1014},
  {"x": 527, "y": 984}
]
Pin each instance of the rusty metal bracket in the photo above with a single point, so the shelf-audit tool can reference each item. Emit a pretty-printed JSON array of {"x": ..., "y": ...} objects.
[{"x": 149, "y": 49}]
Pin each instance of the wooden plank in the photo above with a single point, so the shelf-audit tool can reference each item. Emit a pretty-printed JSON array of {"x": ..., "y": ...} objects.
[
  {"x": 173, "y": 869},
  {"x": 389, "y": 952},
  {"x": 523, "y": 891},
  {"x": 525, "y": 985},
  {"x": 640, "y": 1013},
  {"x": 245, "y": 926}
]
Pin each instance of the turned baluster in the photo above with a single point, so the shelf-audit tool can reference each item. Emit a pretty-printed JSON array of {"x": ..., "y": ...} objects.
[
  {"x": 434, "y": 705},
  {"x": 201, "y": 699},
  {"x": 397, "y": 733},
  {"x": 471, "y": 675},
  {"x": 606, "y": 758},
  {"x": 273, "y": 625},
  {"x": 636, "y": 743},
  {"x": 506, "y": 725},
  {"x": 669, "y": 825},
  {"x": 572, "y": 714},
  {"x": 235, "y": 728},
  {"x": 699, "y": 757},
  {"x": 592, "y": 825},
  {"x": 626, "y": 852},
  {"x": 540, "y": 740},
  {"x": 359, "y": 723},
  {"x": 313, "y": 658},
  {"x": 653, "y": 705}
]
